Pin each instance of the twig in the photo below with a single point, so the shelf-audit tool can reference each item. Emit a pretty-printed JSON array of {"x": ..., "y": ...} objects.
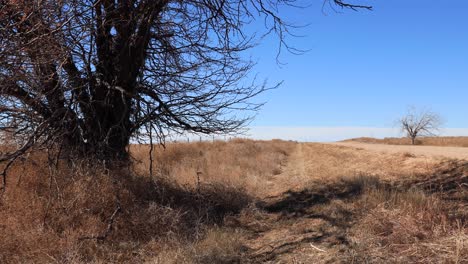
[
  {"x": 314, "y": 247},
  {"x": 351, "y": 6},
  {"x": 4, "y": 174}
]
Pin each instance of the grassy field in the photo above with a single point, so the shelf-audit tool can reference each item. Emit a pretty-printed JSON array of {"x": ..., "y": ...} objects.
[
  {"x": 426, "y": 141},
  {"x": 240, "y": 201}
]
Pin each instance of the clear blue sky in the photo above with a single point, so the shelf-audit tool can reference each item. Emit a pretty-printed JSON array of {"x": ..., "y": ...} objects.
[{"x": 364, "y": 68}]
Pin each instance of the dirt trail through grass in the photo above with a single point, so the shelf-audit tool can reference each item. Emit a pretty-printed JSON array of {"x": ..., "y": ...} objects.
[
  {"x": 314, "y": 203},
  {"x": 289, "y": 227},
  {"x": 292, "y": 174},
  {"x": 303, "y": 219}
]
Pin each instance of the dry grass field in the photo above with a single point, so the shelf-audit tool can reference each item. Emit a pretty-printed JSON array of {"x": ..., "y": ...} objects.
[
  {"x": 240, "y": 201},
  {"x": 430, "y": 152},
  {"x": 426, "y": 141}
]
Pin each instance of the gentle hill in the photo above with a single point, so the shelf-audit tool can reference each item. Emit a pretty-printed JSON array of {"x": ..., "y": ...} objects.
[{"x": 426, "y": 141}]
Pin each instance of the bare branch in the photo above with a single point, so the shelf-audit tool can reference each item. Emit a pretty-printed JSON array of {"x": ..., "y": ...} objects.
[{"x": 94, "y": 74}]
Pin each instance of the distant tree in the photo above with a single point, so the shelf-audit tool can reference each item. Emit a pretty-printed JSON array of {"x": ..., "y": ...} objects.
[
  {"x": 420, "y": 123},
  {"x": 90, "y": 75}
]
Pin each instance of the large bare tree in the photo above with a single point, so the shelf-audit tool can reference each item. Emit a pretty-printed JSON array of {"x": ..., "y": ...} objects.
[
  {"x": 92, "y": 74},
  {"x": 417, "y": 123}
]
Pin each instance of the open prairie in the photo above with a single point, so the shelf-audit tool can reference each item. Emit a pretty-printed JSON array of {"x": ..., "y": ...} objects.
[
  {"x": 96, "y": 97},
  {"x": 241, "y": 201},
  {"x": 427, "y": 141},
  {"x": 430, "y": 151}
]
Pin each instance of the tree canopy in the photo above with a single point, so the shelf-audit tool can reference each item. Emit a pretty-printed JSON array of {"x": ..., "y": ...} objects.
[{"x": 89, "y": 75}]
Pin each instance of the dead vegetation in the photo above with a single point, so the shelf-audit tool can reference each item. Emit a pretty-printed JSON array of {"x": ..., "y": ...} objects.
[
  {"x": 77, "y": 213},
  {"x": 240, "y": 163},
  {"x": 425, "y": 141},
  {"x": 363, "y": 220},
  {"x": 407, "y": 225},
  {"x": 238, "y": 202}
]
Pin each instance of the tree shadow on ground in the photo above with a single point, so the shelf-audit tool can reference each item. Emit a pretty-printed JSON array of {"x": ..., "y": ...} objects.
[
  {"x": 317, "y": 215},
  {"x": 450, "y": 180},
  {"x": 333, "y": 206},
  {"x": 166, "y": 207},
  {"x": 298, "y": 203}
]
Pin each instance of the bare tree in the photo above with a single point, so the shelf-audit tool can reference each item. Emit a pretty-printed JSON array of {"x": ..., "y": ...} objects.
[
  {"x": 420, "y": 123},
  {"x": 90, "y": 75}
]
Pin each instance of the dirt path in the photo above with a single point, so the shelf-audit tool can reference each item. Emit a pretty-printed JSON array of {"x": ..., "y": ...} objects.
[
  {"x": 308, "y": 213},
  {"x": 430, "y": 151},
  {"x": 292, "y": 175}
]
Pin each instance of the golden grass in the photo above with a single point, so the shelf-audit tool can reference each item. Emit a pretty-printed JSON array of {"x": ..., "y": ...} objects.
[
  {"x": 240, "y": 201},
  {"x": 426, "y": 141},
  {"x": 55, "y": 214},
  {"x": 239, "y": 163}
]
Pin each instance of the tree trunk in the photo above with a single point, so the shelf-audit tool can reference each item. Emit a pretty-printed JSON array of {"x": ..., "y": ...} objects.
[
  {"x": 107, "y": 132},
  {"x": 413, "y": 140}
]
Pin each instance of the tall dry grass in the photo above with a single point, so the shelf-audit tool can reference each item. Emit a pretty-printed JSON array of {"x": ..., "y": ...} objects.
[
  {"x": 238, "y": 163},
  {"x": 407, "y": 225},
  {"x": 78, "y": 212}
]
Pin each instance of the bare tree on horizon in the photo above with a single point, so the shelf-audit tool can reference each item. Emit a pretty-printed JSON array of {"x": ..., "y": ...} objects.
[{"x": 416, "y": 123}]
